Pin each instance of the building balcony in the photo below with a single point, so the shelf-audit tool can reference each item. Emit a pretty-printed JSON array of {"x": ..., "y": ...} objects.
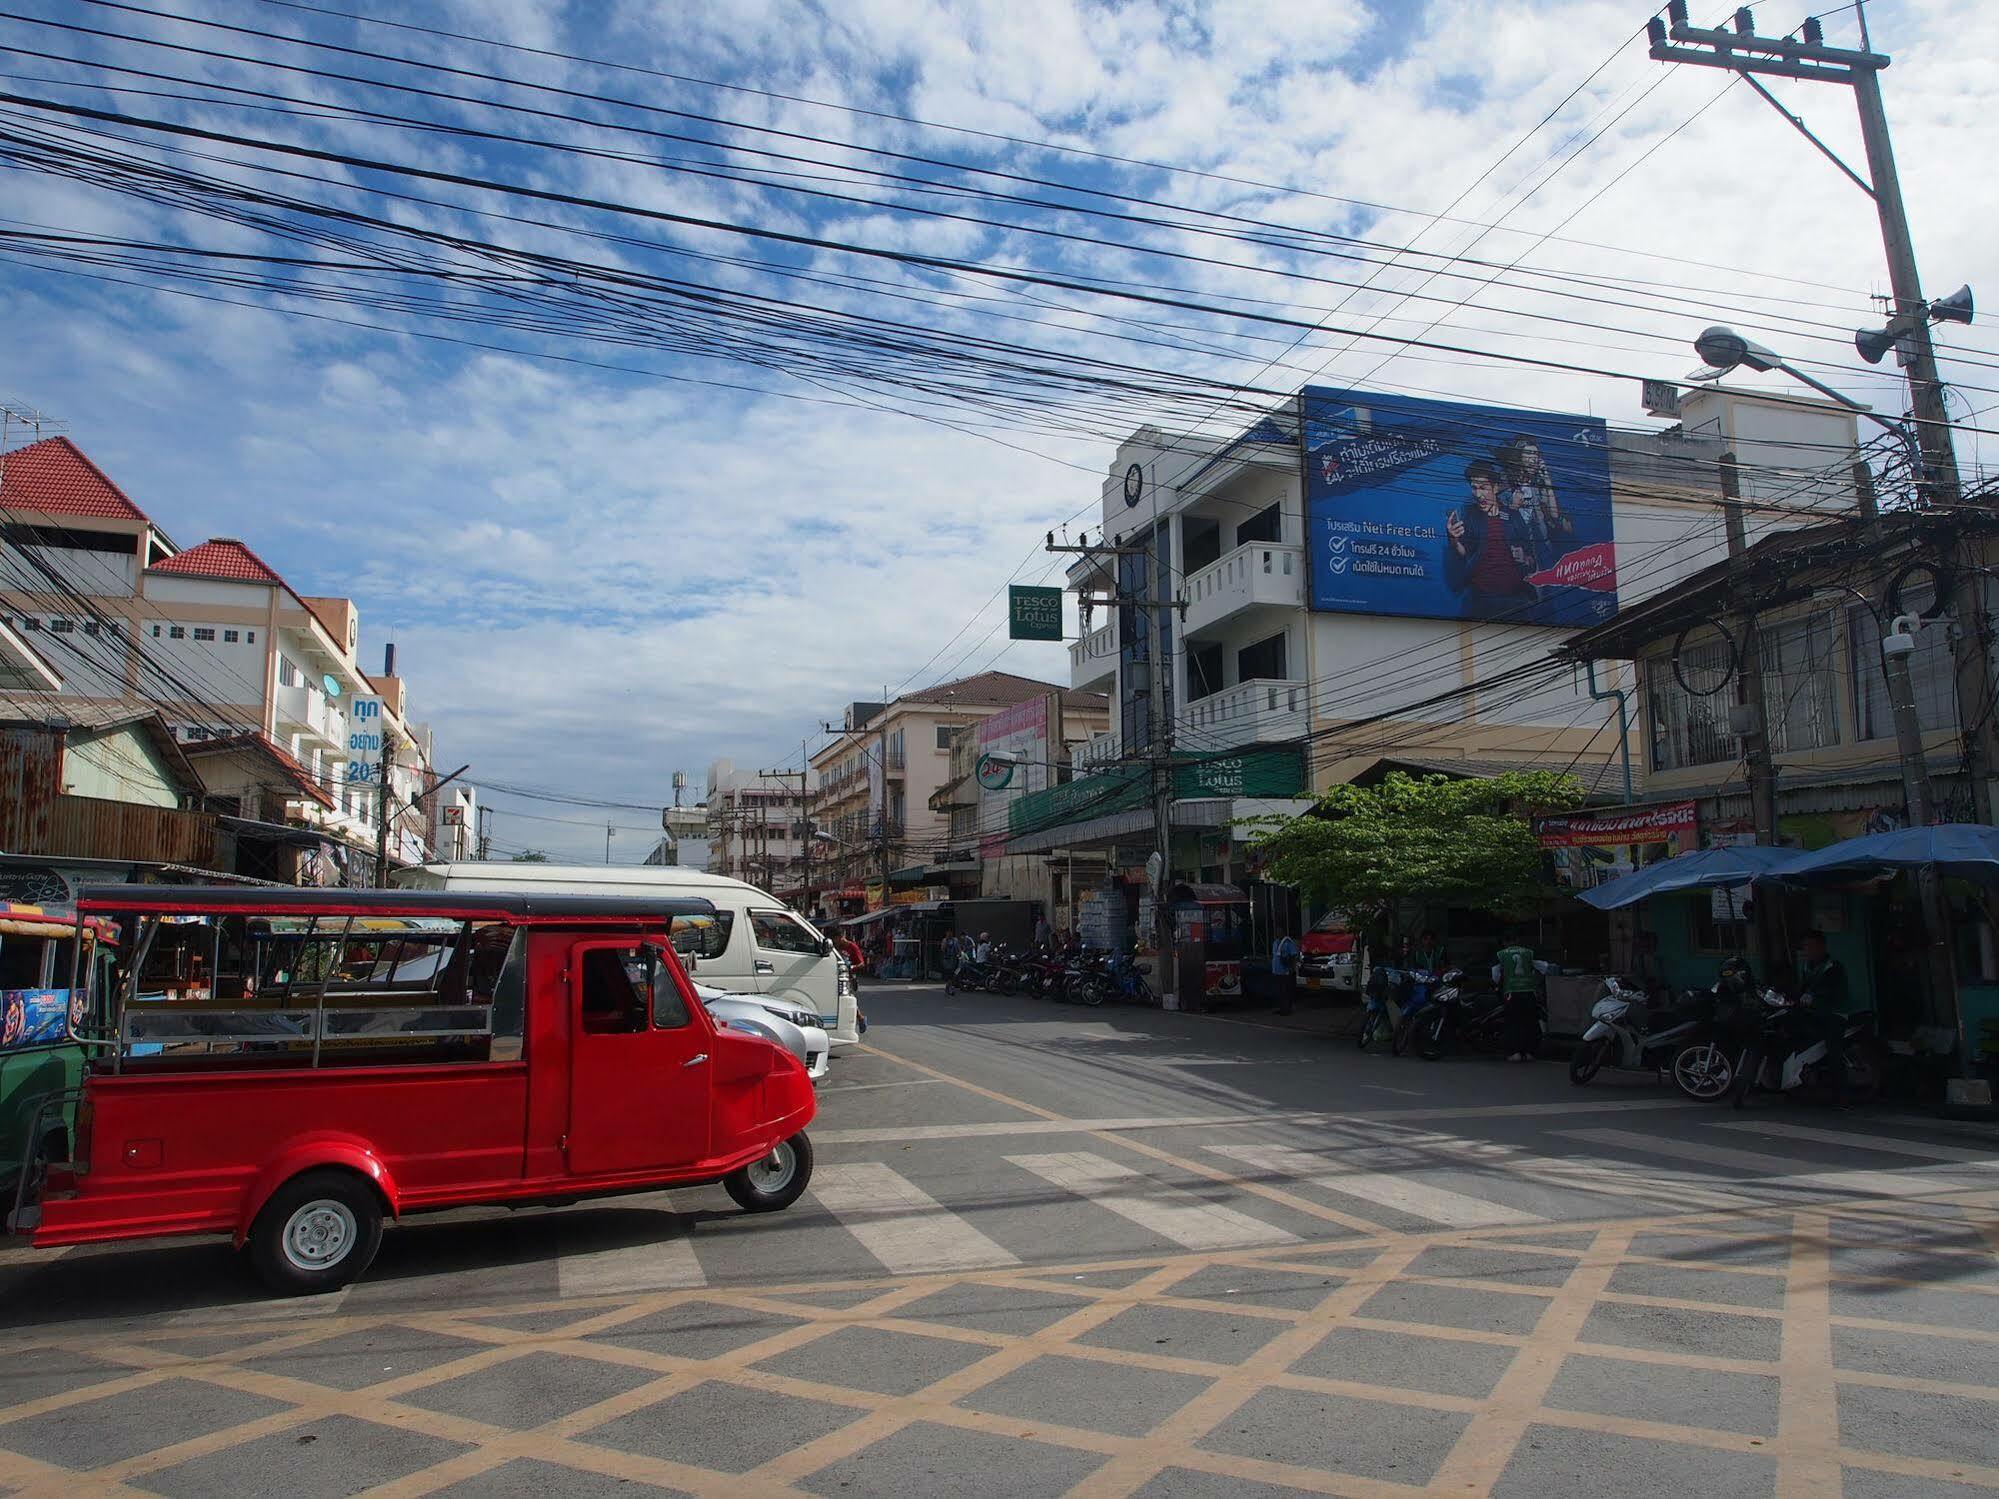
[
  {"x": 1093, "y": 659},
  {"x": 1257, "y": 577},
  {"x": 1255, "y": 712},
  {"x": 1095, "y": 753},
  {"x": 306, "y": 711}
]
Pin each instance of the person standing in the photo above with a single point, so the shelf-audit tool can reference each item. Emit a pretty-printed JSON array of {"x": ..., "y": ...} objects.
[
  {"x": 1284, "y": 970},
  {"x": 1822, "y": 986},
  {"x": 1520, "y": 990},
  {"x": 949, "y": 953}
]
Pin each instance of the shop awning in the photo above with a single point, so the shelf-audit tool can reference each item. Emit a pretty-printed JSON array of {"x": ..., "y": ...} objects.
[
  {"x": 1702, "y": 869},
  {"x": 1210, "y": 895}
]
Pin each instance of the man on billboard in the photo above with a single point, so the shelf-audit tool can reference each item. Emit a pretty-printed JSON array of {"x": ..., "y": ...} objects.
[{"x": 1487, "y": 549}]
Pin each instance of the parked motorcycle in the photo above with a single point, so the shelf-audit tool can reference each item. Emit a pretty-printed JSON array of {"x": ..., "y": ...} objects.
[
  {"x": 1386, "y": 995},
  {"x": 1041, "y": 975},
  {"x": 1681, "y": 1043},
  {"x": 1787, "y": 1052},
  {"x": 1128, "y": 981},
  {"x": 1415, "y": 995},
  {"x": 1086, "y": 979},
  {"x": 1478, "y": 1018},
  {"x": 973, "y": 978}
]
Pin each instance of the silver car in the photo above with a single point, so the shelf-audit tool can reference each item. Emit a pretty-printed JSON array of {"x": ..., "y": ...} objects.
[{"x": 797, "y": 1030}]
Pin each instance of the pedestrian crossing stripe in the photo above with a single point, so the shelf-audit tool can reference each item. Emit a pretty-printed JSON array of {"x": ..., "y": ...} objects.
[
  {"x": 1181, "y": 1217},
  {"x": 1395, "y": 1190},
  {"x": 900, "y": 1224}
]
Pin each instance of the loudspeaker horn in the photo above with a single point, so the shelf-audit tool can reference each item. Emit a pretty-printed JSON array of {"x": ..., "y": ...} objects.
[
  {"x": 1874, "y": 343},
  {"x": 1955, "y": 308}
]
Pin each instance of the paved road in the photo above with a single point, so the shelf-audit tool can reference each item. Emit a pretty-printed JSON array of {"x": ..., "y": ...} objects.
[{"x": 1101, "y": 1253}]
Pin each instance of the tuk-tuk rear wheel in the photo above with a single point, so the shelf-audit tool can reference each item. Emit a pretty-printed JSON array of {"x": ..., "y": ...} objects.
[
  {"x": 318, "y": 1232},
  {"x": 773, "y": 1182}
]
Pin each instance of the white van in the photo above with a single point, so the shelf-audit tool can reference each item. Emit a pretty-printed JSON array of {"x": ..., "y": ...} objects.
[{"x": 756, "y": 946}]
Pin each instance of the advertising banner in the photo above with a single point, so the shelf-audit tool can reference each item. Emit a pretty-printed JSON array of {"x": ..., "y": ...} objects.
[
  {"x": 364, "y": 741},
  {"x": 1592, "y": 847},
  {"x": 1017, "y": 747},
  {"x": 1440, "y": 510}
]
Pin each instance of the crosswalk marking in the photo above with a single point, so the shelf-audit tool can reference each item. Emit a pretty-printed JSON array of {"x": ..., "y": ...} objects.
[
  {"x": 630, "y": 1269},
  {"x": 1687, "y": 1150},
  {"x": 1779, "y": 1171},
  {"x": 1187, "y": 1220},
  {"x": 1385, "y": 1189},
  {"x": 900, "y": 1224},
  {"x": 1851, "y": 1140},
  {"x": 1587, "y": 1174}
]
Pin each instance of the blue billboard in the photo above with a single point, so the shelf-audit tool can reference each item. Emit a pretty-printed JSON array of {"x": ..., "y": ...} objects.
[{"x": 1440, "y": 510}]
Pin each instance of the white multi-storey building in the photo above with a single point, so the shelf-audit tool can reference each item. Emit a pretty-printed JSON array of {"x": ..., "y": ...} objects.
[{"x": 257, "y": 679}]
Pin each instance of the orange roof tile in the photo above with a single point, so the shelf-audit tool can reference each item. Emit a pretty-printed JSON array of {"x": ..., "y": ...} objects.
[{"x": 52, "y": 476}]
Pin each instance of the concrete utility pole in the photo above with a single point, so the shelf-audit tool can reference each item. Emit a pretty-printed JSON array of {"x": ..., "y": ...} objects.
[
  {"x": 1159, "y": 735},
  {"x": 802, "y": 776},
  {"x": 382, "y": 804},
  {"x": 1756, "y": 756},
  {"x": 1742, "y": 52}
]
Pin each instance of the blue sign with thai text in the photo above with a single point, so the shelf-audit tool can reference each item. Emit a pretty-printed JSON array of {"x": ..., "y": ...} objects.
[{"x": 1440, "y": 510}]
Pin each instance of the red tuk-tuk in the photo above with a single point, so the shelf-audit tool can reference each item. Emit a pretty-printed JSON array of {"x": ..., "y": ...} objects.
[{"x": 288, "y": 1067}]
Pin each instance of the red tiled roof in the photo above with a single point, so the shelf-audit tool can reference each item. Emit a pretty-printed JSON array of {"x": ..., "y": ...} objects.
[
  {"x": 54, "y": 477},
  {"x": 224, "y": 557},
  {"x": 256, "y": 739},
  {"x": 999, "y": 689}
]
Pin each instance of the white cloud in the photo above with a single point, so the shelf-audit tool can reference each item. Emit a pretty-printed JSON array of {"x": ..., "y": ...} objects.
[{"x": 596, "y": 579}]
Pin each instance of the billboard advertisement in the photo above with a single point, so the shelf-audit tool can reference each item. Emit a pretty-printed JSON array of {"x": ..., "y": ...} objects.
[
  {"x": 1440, "y": 510},
  {"x": 1590, "y": 848},
  {"x": 1016, "y": 747}
]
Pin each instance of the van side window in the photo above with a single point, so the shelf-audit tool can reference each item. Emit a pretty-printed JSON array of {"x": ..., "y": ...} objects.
[
  {"x": 780, "y": 931},
  {"x": 705, "y": 936},
  {"x": 613, "y": 1002}
]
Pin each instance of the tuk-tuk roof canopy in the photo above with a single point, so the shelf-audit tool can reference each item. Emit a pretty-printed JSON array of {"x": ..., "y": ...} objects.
[
  {"x": 471, "y": 904},
  {"x": 19, "y": 918}
]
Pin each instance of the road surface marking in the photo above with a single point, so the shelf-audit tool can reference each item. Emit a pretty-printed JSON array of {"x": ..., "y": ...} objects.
[
  {"x": 1590, "y": 1175},
  {"x": 1167, "y": 1211},
  {"x": 265, "y": 1310},
  {"x": 1054, "y": 1124},
  {"x": 1382, "y": 1188},
  {"x": 1688, "y": 1150},
  {"x": 1852, "y": 1140},
  {"x": 1780, "y": 1171},
  {"x": 914, "y": 1082},
  {"x": 631, "y": 1269},
  {"x": 900, "y": 1224}
]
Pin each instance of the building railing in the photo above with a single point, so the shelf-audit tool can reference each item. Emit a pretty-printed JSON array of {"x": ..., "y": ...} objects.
[
  {"x": 1257, "y": 573},
  {"x": 1259, "y": 710}
]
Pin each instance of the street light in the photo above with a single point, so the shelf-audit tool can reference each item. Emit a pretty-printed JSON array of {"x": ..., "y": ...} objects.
[{"x": 1724, "y": 349}]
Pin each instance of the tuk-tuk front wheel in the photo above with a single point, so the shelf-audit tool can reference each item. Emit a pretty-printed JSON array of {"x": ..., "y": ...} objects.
[
  {"x": 318, "y": 1232},
  {"x": 775, "y": 1181}
]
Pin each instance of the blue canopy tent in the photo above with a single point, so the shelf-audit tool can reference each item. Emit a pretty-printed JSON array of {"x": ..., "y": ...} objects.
[
  {"x": 1706, "y": 868},
  {"x": 1961, "y": 850}
]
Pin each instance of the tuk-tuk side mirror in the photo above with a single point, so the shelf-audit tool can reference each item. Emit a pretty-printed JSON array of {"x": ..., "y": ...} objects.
[{"x": 825, "y": 947}]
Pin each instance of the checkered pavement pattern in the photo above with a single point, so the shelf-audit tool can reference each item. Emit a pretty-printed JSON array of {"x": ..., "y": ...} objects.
[{"x": 1740, "y": 1352}]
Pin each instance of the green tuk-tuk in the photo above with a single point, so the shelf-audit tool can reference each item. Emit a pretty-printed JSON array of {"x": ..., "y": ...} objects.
[{"x": 43, "y": 990}]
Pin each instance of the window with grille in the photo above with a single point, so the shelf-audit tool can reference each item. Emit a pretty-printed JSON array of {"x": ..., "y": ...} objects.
[
  {"x": 1930, "y": 666},
  {"x": 1688, "y": 729},
  {"x": 1800, "y": 659}
]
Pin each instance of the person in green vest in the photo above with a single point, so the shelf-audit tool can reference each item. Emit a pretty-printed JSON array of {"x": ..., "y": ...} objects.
[
  {"x": 1520, "y": 988},
  {"x": 1428, "y": 954}
]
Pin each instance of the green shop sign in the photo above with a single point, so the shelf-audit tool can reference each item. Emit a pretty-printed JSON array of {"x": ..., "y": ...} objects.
[
  {"x": 1272, "y": 771},
  {"x": 1033, "y": 613}
]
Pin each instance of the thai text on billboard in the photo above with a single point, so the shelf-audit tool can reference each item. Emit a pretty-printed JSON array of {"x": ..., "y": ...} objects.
[{"x": 1440, "y": 510}]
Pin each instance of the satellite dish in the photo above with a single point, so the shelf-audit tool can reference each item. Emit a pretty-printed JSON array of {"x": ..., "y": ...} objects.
[{"x": 331, "y": 684}]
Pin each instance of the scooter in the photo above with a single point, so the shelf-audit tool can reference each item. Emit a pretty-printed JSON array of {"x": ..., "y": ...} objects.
[
  {"x": 1128, "y": 982},
  {"x": 1419, "y": 989},
  {"x": 1681, "y": 1043},
  {"x": 1787, "y": 1053},
  {"x": 1387, "y": 994},
  {"x": 1479, "y": 1018}
]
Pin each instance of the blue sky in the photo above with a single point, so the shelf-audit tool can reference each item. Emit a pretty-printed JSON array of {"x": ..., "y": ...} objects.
[{"x": 596, "y": 578}]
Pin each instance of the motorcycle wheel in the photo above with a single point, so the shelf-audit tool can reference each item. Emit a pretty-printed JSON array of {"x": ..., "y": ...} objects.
[
  {"x": 1435, "y": 1038},
  {"x": 1370, "y": 1029},
  {"x": 950, "y": 986},
  {"x": 1405, "y": 1031},
  {"x": 1703, "y": 1071},
  {"x": 1589, "y": 1058},
  {"x": 1095, "y": 994},
  {"x": 1745, "y": 1078}
]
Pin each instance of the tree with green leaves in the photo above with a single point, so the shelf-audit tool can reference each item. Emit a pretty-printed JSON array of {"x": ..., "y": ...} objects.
[
  {"x": 530, "y": 856},
  {"x": 1429, "y": 840}
]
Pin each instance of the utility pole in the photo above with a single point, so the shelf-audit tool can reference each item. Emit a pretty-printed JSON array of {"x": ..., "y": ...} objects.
[
  {"x": 1159, "y": 732},
  {"x": 801, "y": 776},
  {"x": 485, "y": 831},
  {"x": 1756, "y": 756},
  {"x": 382, "y": 804},
  {"x": 1742, "y": 52},
  {"x": 609, "y": 829}
]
